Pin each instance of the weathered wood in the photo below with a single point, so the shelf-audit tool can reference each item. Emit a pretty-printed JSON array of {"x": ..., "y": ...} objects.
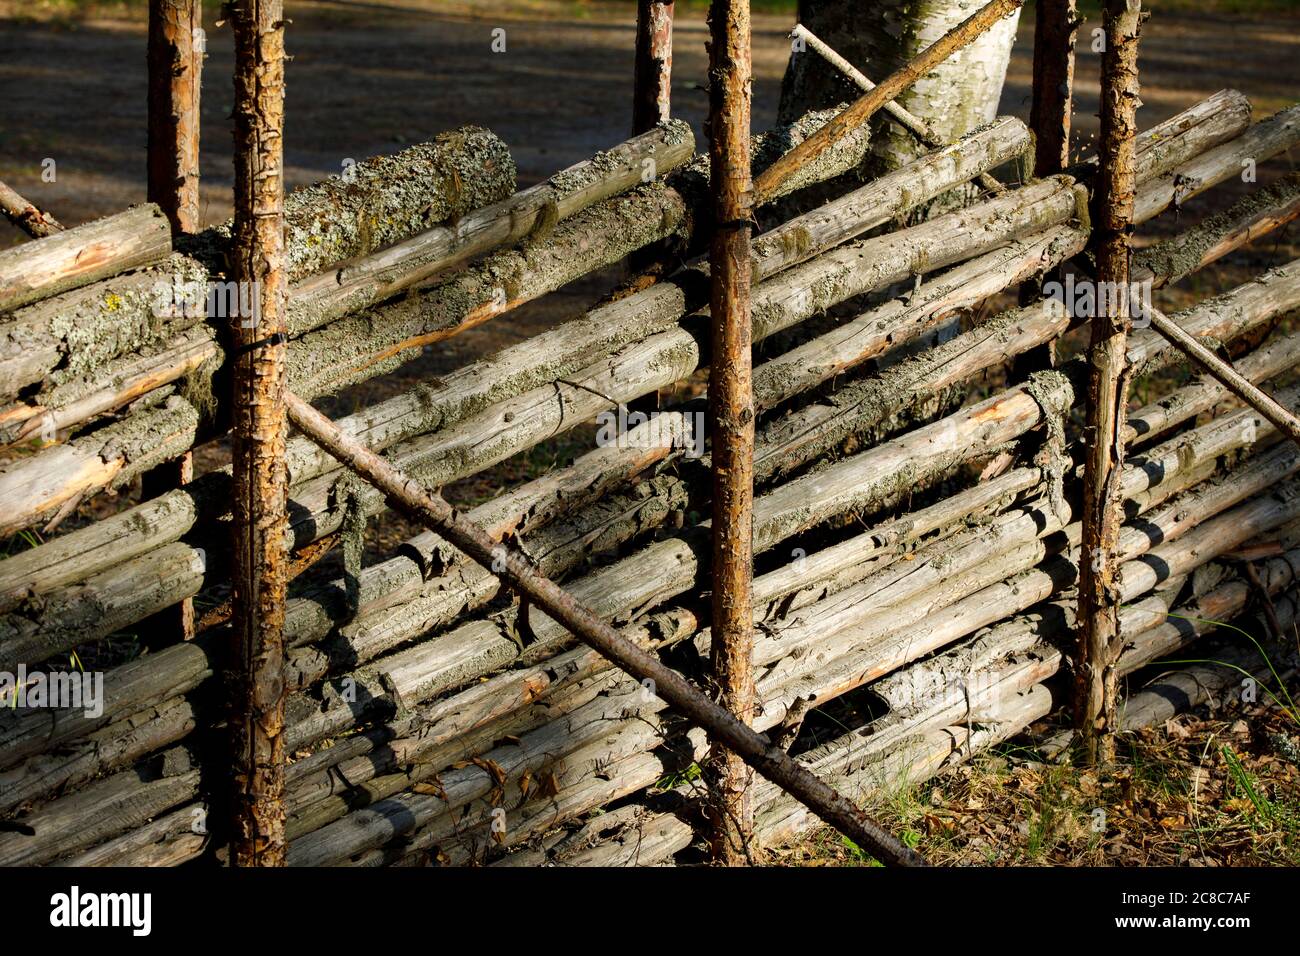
[
  {"x": 175, "y": 64},
  {"x": 386, "y": 200},
  {"x": 1229, "y": 377},
  {"x": 1221, "y": 317},
  {"x": 368, "y": 279},
  {"x": 891, "y": 325},
  {"x": 1186, "y": 403},
  {"x": 26, "y": 216},
  {"x": 103, "y": 810},
  {"x": 594, "y": 631},
  {"x": 863, "y": 109},
  {"x": 480, "y": 705},
  {"x": 168, "y": 840},
  {"x": 1056, "y": 23},
  {"x": 1096, "y": 684},
  {"x": 905, "y": 188},
  {"x": 653, "y": 74},
  {"x": 1260, "y": 142},
  {"x": 260, "y": 486},
  {"x": 111, "y": 748},
  {"x": 75, "y": 257},
  {"x": 1254, "y": 215},
  {"x": 731, "y": 420},
  {"x": 973, "y": 559},
  {"x": 77, "y": 335}
]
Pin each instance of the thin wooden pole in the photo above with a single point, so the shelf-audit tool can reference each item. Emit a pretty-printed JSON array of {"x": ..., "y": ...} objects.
[
  {"x": 1099, "y": 646},
  {"x": 907, "y": 120},
  {"x": 26, "y": 216},
  {"x": 1229, "y": 377},
  {"x": 1055, "y": 24},
  {"x": 868, "y": 105},
  {"x": 259, "y": 490},
  {"x": 175, "y": 62},
  {"x": 175, "y": 71},
  {"x": 731, "y": 413},
  {"x": 515, "y": 569},
  {"x": 652, "y": 79}
]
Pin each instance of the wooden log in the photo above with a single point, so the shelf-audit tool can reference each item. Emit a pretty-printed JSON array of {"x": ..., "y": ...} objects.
[
  {"x": 1166, "y": 632},
  {"x": 867, "y": 336},
  {"x": 169, "y": 840},
  {"x": 129, "y": 688},
  {"x": 26, "y": 216},
  {"x": 975, "y": 558},
  {"x": 594, "y": 631},
  {"x": 1056, "y": 23},
  {"x": 1195, "y": 684},
  {"x": 76, "y": 257},
  {"x": 130, "y": 379},
  {"x": 368, "y": 277},
  {"x": 653, "y": 73},
  {"x": 863, "y": 109},
  {"x": 1222, "y": 317},
  {"x": 111, "y": 748},
  {"x": 480, "y": 705},
  {"x": 1226, "y": 375},
  {"x": 1166, "y": 146},
  {"x": 385, "y": 200},
  {"x": 55, "y": 481},
  {"x": 260, "y": 484},
  {"x": 880, "y": 477},
  {"x": 76, "y": 335},
  {"x": 175, "y": 64},
  {"x": 919, "y": 181},
  {"x": 908, "y": 121},
  {"x": 806, "y": 433},
  {"x": 1096, "y": 684},
  {"x": 1262, "y": 141},
  {"x": 731, "y": 420},
  {"x": 1184, "y": 404},
  {"x": 1255, "y": 215},
  {"x": 1183, "y": 452},
  {"x": 102, "y": 810},
  {"x": 591, "y": 724}
]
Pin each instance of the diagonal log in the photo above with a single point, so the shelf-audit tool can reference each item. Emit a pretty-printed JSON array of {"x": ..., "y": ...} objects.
[
  {"x": 474, "y": 541},
  {"x": 1232, "y": 380}
]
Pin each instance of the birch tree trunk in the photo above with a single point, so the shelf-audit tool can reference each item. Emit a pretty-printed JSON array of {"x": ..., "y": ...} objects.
[{"x": 879, "y": 37}]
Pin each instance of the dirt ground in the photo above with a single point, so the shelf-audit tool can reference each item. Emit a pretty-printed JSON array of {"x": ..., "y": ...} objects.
[{"x": 370, "y": 77}]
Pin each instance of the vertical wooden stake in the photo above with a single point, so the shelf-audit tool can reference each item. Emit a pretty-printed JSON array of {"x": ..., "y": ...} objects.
[
  {"x": 652, "y": 79},
  {"x": 731, "y": 408},
  {"x": 1098, "y": 649},
  {"x": 175, "y": 62},
  {"x": 259, "y": 558},
  {"x": 175, "y": 71},
  {"x": 1055, "y": 24}
]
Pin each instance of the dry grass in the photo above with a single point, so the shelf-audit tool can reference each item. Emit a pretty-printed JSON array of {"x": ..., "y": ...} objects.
[{"x": 1207, "y": 789}]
